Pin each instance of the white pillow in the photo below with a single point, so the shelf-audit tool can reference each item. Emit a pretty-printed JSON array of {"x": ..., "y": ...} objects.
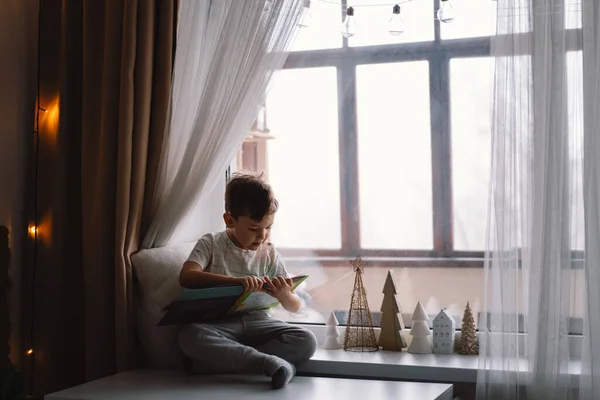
[{"x": 157, "y": 271}]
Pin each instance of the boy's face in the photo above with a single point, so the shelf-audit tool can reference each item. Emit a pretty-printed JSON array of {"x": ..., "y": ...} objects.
[{"x": 247, "y": 233}]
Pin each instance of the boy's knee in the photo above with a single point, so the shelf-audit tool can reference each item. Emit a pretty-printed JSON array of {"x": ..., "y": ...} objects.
[
  {"x": 308, "y": 343},
  {"x": 190, "y": 336}
]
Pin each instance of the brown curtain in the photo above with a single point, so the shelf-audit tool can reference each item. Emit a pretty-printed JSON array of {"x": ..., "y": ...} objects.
[{"x": 105, "y": 67}]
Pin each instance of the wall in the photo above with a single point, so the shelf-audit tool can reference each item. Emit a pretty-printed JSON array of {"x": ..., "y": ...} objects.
[{"x": 18, "y": 41}]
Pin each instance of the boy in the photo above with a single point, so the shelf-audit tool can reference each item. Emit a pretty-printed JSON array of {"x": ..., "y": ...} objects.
[{"x": 253, "y": 342}]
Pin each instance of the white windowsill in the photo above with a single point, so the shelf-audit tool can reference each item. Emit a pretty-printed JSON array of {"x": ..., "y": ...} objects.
[
  {"x": 388, "y": 364},
  {"x": 447, "y": 368},
  {"x": 451, "y": 368}
]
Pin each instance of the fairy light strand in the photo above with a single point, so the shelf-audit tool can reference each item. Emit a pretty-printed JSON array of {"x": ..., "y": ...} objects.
[
  {"x": 34, "y": 231},
  {"x": 501, "y": 12}
]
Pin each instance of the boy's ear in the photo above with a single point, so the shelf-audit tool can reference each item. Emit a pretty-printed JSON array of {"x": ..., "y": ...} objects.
[{"x": 229, "y": 220}]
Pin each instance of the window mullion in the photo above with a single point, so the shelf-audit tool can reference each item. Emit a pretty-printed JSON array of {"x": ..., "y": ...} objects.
[
  {"x": 441, "y": 157},
  {"x": 436, "y": 22},
  {"x": 348, "y": 139}
]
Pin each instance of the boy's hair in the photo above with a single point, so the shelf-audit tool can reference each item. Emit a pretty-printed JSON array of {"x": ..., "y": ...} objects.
[{"x": 247, "y": 194}]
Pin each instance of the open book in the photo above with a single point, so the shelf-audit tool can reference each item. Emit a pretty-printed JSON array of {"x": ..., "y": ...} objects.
[{"x": 197, "y": 305}]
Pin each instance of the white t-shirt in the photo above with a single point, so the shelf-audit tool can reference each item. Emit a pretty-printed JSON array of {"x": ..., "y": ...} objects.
[{"x": 216, "y": 253}]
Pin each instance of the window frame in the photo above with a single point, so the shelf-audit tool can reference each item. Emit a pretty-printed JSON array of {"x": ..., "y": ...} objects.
[
  {"x": 438, "y": 53},
  {"x": 346, "y": 59}
]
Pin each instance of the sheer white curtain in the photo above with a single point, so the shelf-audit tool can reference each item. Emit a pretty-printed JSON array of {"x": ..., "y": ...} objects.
[
  {"x": 540, "y": 324},
  {"x": 227, "y": 51}
]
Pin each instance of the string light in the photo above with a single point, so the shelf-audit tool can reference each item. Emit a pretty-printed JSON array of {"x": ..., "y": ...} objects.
[
  {"x": 396, "y": 24},
  {"x": 446, "y": 12},
  {"x": 306, "y": 18},
  {"x": 33, "y": 228},
  {"x": 33, "y": 231},
  {"x": 349, "y": 24}
]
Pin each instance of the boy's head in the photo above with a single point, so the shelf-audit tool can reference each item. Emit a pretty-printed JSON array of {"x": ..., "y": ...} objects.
[{"x": 250, "y": 208}]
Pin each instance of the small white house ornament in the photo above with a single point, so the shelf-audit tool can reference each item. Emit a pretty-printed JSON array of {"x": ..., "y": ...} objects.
[{"x": 443, "y": 333}]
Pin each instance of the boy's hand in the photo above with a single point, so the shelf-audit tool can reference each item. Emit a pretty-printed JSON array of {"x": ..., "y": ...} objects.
[
  {"x": 251, "y": 283},
  {"x": 278, "y": 286}
]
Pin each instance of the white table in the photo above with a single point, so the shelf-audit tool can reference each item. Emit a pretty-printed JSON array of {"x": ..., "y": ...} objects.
[{"x": 173, "y": 385}]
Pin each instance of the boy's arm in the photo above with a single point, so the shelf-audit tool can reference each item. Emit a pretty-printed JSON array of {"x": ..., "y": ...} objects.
[
  {"x": 282, "y": 284},
  {"x": 291, "y": 302},
  {"x": 281, "y": 288},
  {"x": 193, "y": 277}
]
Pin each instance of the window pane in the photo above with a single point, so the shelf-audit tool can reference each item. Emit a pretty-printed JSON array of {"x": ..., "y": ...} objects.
[
  {"x": 303, "y": 159},
  {"x": 473, "y": 18},
  {"x": 470, "y": 101},
  {"x": 573, "y": 16},
  {"x": 372, "y": 23},
  {"x": 575, "y": 115},
  {"x": 323, "y": 31},
  {"x": 394, "y": 149}
]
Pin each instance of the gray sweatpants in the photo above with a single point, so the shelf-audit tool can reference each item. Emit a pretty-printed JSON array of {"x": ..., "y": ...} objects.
[{"x": 247, "y": 343}]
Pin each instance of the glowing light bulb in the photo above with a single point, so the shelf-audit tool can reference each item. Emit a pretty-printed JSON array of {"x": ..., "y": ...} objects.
[
  {"x": 29, "y": 352},
  {"x": 349, "y": 24},
  {"x": 396, "y": 24},
  {"x": 306, "y": 17},
  {"x": 33, "y": 230},
  {"x": 446, "y": 12}
]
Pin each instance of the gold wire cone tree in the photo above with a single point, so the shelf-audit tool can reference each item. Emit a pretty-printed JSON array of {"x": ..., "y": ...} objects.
[{"x": 360, "y": 335}]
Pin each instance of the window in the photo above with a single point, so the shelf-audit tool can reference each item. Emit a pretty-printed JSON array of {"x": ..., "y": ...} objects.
[
  {"x": 471, "y": 149},
  {"x": 378, "y": 146}
]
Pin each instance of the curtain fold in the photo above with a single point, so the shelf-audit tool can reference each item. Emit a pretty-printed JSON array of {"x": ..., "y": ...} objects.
[
  {"x": 538, "y": 325},
  {"x": 590, "y": 368},
  {"x": 226, "y": 54},
  {"x": 106, "y": 76},
  {"x": 129, "y": 78}
]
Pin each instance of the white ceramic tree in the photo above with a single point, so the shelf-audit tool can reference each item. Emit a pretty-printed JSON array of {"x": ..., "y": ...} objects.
[
  {"x": 333, "y": 337},
  {"x": 420, "y": 332}
]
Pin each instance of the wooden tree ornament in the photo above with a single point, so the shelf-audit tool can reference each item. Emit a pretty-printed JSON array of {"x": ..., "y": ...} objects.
[
  {"x": 360, "y": 335},
  {"x": 333, "y": 337},
  {"x": 468, "y": 344},
  {"x": 391, "y": 336},
  {"x": 420, "y": 332}
]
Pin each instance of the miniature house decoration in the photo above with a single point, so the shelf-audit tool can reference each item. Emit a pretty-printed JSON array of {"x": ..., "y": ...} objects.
[
  {"x": 391, "y": 336},
  {"x": 420, "y": 332},
  {"x": 443, "y": 333},
  {"x": 333, "y": 337}
]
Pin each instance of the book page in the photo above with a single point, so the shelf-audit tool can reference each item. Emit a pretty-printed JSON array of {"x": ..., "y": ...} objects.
[{"x": 257, "y": 300}]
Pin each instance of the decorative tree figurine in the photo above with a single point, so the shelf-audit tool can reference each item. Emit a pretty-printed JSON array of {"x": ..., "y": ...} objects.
[
  {"x": 468, "y": 344},
  {"x": 360, "y": 335},
  {"x": 333, "y": 337},
  {"x": 420, "y": 332},
  {"x": 391, "y": 336}
]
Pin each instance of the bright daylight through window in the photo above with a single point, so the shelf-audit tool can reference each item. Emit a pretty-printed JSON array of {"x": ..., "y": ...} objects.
[{"x": 378, "y": 145}]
